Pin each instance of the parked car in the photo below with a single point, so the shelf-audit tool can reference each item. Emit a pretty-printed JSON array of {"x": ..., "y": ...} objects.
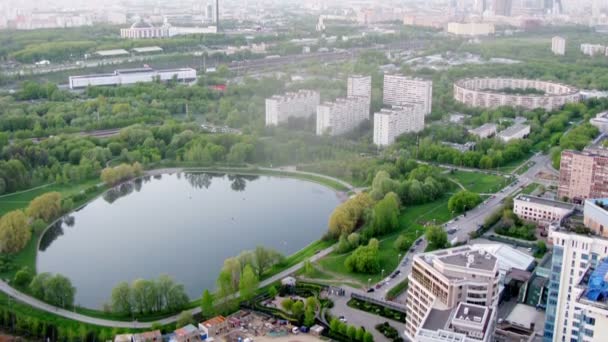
[{"x": 370, "y": 290}]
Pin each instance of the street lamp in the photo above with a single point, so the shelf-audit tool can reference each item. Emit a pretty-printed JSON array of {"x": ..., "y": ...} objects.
[
  {"x": 369, "y": 281},
  {"x": 398, "y": 259},
  {"x": 382, "y": 274}
]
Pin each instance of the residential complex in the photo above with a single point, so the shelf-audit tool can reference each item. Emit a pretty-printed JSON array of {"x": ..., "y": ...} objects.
[
  {"x": 400, "y": 90},
  {"x": 342, "y": 116},
  {"x": 471, "y": 29},
  {"x": 452, "y": 295},
  {"x": 391, "y": 123},
  {"x": 301, "y": 104},
  {"x": 346, "y": 114},
  {"x": 132, "y": 76},
  {"x": 484, "y": 131},
  {"x": 517, "y": 131},
  {"x": 595, "y": 216},
  {"x": 583, "y": 175},
  {"x": 577, "y": 306},
  {"x": 541, "y": 210},
  {"x": 558, "y": 45},
  {"x": 488, "y": 93}
]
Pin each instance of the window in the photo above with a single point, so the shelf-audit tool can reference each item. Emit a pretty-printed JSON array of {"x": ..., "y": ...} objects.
[
  {"x": 588, "y": 332},
  {"x": 590, "y": 320}
]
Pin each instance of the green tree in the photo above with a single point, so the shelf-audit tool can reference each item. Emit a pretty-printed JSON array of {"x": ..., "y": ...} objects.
[
  {"x": 297, "y": 310},
  {"x": 360, "y": 334},
  {"x": 59, "y": 291},
  {"x": 184, "y": 319},
  {"x": 386, "y": 214},
  {"x": 368, "y": 337},
  {"x": 463, "y": 201},
  {"x": 272, "y": 292},
  {"x": 46, "y": 207},
  {"x": 437, "y": 238},
  {"x": 14, "y": 232},
  {"x": 121, "y": 300},
  {"x": 207, "y": 304},
  {"x": 309, "y": 317},
  {"x": 365, "y": 259},
  {"x": 248, "y": 284},
  {"x": 23, "y": 277},
  {"x": 351, "y": 333},
  {"x": 402, "y": 243},
  {"x": 287, "y": 304},
  {"x": 38, "y": 284}
]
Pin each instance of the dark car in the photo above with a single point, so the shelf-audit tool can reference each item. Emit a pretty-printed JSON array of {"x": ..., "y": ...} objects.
[
  {"x": 452, "y": 231},
  {"x": 370, "y": 290}
]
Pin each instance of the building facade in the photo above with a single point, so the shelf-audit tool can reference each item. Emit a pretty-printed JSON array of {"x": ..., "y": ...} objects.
[
  {"x": 540, "y": 210},
  {"x": 596, "y": 216},
  {"x": 593, "y": 50},
  {"x": 471, "y": 29},
  {"x": 391, "y": 123},
  {"x": 571, "y": 314},
  {"x": 558, "y": 46},
  {"x": 359, "y": 86},
  {"x": 601, "y": 122},
  {"x": 441, "y": 285},
  {"x": 342, "y": 116},
  {"x": 402, "y": 90},
  {"x": 583, "y": 175},
  {"x": 132, "y": 76},
  {"x": 301, "y": 104},
  {"x": 486, "y": 93}
]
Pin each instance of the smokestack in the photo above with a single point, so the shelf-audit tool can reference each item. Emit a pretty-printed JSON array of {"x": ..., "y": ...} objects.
[{"x": 217, "y": 15}]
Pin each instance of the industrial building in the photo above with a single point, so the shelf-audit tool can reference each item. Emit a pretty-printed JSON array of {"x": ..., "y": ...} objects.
[
  {"x": 132, "y": 76},
  {"x": 484, "y": 131},
  {"x": 517, "y": 131}
]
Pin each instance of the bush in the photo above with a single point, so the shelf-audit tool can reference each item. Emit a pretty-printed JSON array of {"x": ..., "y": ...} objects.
[{"x": 23, "y": 277}]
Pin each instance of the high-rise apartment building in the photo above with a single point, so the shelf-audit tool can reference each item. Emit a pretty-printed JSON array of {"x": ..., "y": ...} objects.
[
  {"x": 301, "y": 104},
  {"x": 359, "y": 86},
  {"x": 342, "y": 116},
  {"x": 558, "y": 45},
  {"x": 401, "y": 90},
  {"x": 583, "y": 175},
  {"x": 577, "y": 305},
  {"x": 593, "y": 49},
  {"x": 391, "y": 123},
  {"x": 503, "y": 7},
  {"x": 452, "y": 295}
]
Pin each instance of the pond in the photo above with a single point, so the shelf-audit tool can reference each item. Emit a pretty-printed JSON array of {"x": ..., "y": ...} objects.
[{"x": 184, "y": 225}]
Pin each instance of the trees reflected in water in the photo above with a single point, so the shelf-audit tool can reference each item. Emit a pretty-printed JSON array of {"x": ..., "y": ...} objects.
[
  {"x": 55, "y": 231},
  {"x": 204, "y": 180}
]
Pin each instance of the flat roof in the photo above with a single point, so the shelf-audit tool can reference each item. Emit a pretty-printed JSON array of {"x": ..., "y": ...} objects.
[
  {"x": 483, "y": 127},
  {"x": 514, "y": 129},
  {"x": 480, "y": 260},
  {"x": 437, "y": 319},
  {"x": 148, "y": 49},
  {"x": 544, "y": 201},
  {"x": 116, "y": 52},
  {"x": 214, "y": 321}
]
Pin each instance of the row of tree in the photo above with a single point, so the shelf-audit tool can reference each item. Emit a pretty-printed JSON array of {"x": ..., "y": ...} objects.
[{"x": 148, "y": 296}]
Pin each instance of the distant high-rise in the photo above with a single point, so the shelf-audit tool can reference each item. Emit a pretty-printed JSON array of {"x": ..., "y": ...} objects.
[
  {"x": 401, "y": 90},
  {"x": 217, "y": 15},
  {"x": 558, "y": 45},
  {"x": 503, "y": 7}
]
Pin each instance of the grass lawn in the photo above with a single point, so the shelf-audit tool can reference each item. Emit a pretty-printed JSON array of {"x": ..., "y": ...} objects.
[
  {"x": 22, "y": 199},
  {"x": 298, "y": 257},
  {"x": 480, "y": 182},
  {"x": 412, "y": 221},
  {"x": 530, "y": 188},
  {"x": 525, "y": 168}
]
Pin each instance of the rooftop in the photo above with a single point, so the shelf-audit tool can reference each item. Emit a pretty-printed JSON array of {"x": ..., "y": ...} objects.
[
  {"x": 482, "y": 128},
  {"x": 437, "y": 319},
  {"x": 544, "y": 201},
  {"x": 595, "y": 285},
  {"x": 148, "y": 336},
  {"x": 217, "y": 320},
  {"x": 148, "y": 49},
  {"x": 514, "y": 129},
  {"x": 116, "y": 52},
  {"x": 187, "y": 330},
  {"x": 471, "y": 259}
]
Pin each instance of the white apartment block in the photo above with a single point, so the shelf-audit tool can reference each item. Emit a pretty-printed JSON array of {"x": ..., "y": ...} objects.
[
  {"x": 360, "y": 86},
  {"x": 452, "y": 296},
  {"x": 593, "y": 49},
  {"x": 484, "y": 131},
  {"x": 541, "y": 210},
  {"x": 558, "y": 46},
  {"x": 341, "y": 116},
  {"x": 301, "y": 104},
  {"x": 400, "y": 90},
  {"x": 391, "y": 123},
  {"x": 517, "y": 131},
  {"x": 471, "y": 29},
  {"x": 577, "y": 305}
]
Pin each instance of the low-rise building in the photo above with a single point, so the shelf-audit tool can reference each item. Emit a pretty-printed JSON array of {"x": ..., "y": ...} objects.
[
  {"x": 484, "y": 131},
  {"x": 213, "y": 326},
  {"x": 150, "y": 336},
  {"x": 471, "y": 29},
  {"x": 541, "y": 210},
  {"x": 601, "y": 122},
  {"x": 517, "y": 131},
  {"x": 558, "y": 45},
  {"x": 144, "y": 30},
  {"x": 132, "y": 76},
  {"x": 189, "y": 333},
  {"x": 468, "y": 146},
  {"x": 391, "y": 123},
  {"x": 452, "y": 293},
  {"x": 593, "y": 49},
  {"x": 458, "y": 118},
  {"x": 301, "y": 104},
  {"x": 595, "y": 216}
]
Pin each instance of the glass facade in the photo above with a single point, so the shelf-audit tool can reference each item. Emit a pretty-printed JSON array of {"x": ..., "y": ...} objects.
[{"x": 556, "y": 270}]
